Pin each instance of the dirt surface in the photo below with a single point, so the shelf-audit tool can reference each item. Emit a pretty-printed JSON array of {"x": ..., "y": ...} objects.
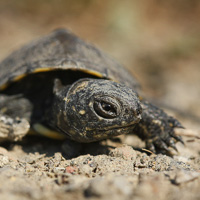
[
  {"x": 159, "y": 42},
  {"x": 39, "y": 168}
]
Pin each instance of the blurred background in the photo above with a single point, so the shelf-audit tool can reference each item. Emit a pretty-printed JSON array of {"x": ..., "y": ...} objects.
[{"x": 158, "y": 40}]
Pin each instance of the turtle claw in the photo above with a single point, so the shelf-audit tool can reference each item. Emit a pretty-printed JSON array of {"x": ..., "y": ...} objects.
[
  {"x": 171, "y": 143},
  {"x": 150, "y": 146},
  {"x": 167, "y": 144},
  {"x": 173, "y": 146},
  {"x": 178, "y": 139},
  {"x": 159, "y": 146}
]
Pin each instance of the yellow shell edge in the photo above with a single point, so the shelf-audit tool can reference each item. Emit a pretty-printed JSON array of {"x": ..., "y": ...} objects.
[
  {"x": 37, "y": 70},
  {"x": 39, "y": 128}
]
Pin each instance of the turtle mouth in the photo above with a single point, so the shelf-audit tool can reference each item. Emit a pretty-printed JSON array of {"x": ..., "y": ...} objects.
[
  {"x": 123, "y": 127},
  {"x": 111, "y": 132},
  {"x": 119, "y": 127}
]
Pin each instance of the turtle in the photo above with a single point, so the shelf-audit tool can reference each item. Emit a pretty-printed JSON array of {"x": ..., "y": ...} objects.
[{"x": 63, "y": 87}]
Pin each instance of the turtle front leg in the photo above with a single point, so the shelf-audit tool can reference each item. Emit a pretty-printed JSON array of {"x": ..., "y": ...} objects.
[
  {"x": 12, "y": 125},
  {"x": 12, "y": 129},
  {"x": 156, "y": 128}
]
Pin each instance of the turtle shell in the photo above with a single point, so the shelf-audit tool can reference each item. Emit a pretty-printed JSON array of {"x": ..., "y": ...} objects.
[{"x": 62, "y": 50}]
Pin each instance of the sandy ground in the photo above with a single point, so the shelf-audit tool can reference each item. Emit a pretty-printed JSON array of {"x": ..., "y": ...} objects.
[
  {"x": 159, "y": 42},
  {"x": 39, "y": 168}
]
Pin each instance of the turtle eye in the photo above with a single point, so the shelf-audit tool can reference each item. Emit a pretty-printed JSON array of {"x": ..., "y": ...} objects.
[{"x": 105, "y": 109}]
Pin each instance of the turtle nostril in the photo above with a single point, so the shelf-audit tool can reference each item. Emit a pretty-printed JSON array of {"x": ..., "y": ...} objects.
[
  {"x": 138, "y": 111},
  {"x": 126, "y": 110}
]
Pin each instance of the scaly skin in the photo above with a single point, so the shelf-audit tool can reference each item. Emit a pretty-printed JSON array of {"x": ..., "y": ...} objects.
[
  {"x": 13, "y": 129},
  {"x": 157, "y": 129}
]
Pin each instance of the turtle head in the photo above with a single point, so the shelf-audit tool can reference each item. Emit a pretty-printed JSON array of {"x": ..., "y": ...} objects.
[{"x": 95, "y": 109}]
